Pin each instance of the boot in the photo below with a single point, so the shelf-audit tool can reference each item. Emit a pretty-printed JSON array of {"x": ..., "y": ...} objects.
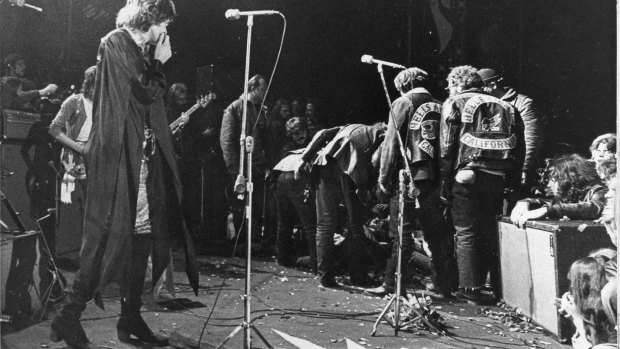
[
  {"x": 66, "y": 324},
  {"x": 132, "y": 323},
  {"x": 380, "y": 291},
  {"x": 306, "y": 262}
]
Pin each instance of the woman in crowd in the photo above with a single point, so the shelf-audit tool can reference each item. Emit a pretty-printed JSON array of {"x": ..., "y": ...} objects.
[
  {"x": 583, "y": 305},
  {"x": 576, "y": 189}
]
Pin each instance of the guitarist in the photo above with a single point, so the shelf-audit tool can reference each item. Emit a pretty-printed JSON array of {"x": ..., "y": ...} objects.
[{"x": 71, "y": 127}]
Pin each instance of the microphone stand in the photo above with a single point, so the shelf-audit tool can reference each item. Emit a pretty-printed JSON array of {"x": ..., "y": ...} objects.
[
  {"x": 395, "y": 321},
  {"x": 246, "y": 144},
  {"x": 413, "y": 192},
  {"x": 57, "y": 187}
]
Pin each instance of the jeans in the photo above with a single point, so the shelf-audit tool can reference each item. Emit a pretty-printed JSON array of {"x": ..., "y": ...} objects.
[
  {"x": 474, "y": 210},
  {"x": 290, "y": 203},
  {"x": 437, "y": 233},
  {"x": 335, "y": 186}
]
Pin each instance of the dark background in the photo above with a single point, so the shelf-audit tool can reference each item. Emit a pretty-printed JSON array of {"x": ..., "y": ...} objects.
[{"x": 560, "y": 53}]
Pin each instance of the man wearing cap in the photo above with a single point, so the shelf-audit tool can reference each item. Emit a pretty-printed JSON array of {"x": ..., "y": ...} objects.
[
  {"x": 415, "y": 118},
  {"x": 17, "y": 91},
  {"x": 481, "y": 145},
  {"x": 532, "y": 119}
]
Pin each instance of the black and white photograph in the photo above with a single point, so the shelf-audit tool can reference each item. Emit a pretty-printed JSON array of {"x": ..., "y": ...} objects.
[{"x": 309, "y": 174}]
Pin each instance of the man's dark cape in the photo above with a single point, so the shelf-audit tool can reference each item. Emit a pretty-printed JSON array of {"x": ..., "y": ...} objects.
[{"x": 128, "y": 88}]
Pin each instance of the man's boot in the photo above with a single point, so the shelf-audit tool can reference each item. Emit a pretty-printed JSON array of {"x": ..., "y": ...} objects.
[
  {"x": 132, "y": 323},
  {"x": 66, "y": 324}
]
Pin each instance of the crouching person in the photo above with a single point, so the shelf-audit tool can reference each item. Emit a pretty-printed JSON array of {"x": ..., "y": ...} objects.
[{"x": 294, "y": 199}]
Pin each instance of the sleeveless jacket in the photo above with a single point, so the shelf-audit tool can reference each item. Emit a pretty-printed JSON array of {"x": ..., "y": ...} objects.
[
  {"x": 480, "y": 131},
  {"x": 416, "y": 117}
]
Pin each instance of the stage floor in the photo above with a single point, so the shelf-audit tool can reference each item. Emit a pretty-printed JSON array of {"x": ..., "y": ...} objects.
[{"x": 287, "y": 300}]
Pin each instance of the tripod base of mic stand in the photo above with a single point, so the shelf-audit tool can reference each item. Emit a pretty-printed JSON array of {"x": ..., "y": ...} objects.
[
  {"x": 413, "y": 316},
  {"x": 239, "y": 328},
  {"x": 392, "y": 321}
]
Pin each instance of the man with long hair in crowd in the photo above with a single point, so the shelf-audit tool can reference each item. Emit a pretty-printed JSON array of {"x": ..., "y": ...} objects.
[
  {"x": 576, "y": 190},
  {"x": 134, "y": 195}
]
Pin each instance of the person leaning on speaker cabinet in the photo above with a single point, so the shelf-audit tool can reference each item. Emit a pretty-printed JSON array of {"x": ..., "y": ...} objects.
[{"x": 577, "y": 190}]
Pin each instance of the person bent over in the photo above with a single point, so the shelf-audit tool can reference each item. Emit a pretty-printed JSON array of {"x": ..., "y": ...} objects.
[{"x": 342, "y": 157}]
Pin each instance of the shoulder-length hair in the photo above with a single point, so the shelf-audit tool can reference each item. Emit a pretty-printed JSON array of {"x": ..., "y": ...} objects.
[
  {"x": 175, "y": 90},
  {"x": 575, "y": 176},
  {"x": 587, "y": 279},
  {"x": 88, "y": 85},
  {"x": 142, "y": 14}
]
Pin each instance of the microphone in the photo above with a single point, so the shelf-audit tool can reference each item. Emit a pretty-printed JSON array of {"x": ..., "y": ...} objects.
[
  {"x": 234, "y": 14},
  {"x": 368, "y": 59},
  {"x": 53, "y": 166},
  {"x": 240, "y": 185}
]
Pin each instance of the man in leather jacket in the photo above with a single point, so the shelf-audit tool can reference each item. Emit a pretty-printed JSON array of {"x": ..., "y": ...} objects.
[
  {"x": 481, "y": 147},
  {"x": 532, "y": 121},
  {"x": 256, "y": 126},
  {"x": 343, "y": 166},
  {"x": 415, "y": 118}
]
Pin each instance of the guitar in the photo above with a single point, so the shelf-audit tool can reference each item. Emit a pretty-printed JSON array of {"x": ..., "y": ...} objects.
[{"x": 202, "y": 102}]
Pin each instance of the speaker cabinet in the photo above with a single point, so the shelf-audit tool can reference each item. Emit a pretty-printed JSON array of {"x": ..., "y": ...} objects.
[
  {"x": 535, "y": 262},
  {"x": 13, "y": 183},
  {"x": 19, "y": 273},
  {"x": 16, "y": 124}
]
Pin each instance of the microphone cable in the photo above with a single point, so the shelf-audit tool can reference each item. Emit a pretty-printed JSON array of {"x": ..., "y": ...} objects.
[
  {"x": 219, "y": 291},
  {"x": 273, "y": 71},
  {"x": 204, "y": 327}
]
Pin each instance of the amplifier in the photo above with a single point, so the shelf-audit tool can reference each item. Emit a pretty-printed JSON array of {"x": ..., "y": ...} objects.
[
  {"x": 19, "y": 273},
  {"x": 535, "y": 262},
  {"x": 16, "y": 124}
]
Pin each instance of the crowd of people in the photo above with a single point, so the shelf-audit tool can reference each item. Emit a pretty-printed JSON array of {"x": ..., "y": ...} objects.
[{"x": 428, "y": 183}]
